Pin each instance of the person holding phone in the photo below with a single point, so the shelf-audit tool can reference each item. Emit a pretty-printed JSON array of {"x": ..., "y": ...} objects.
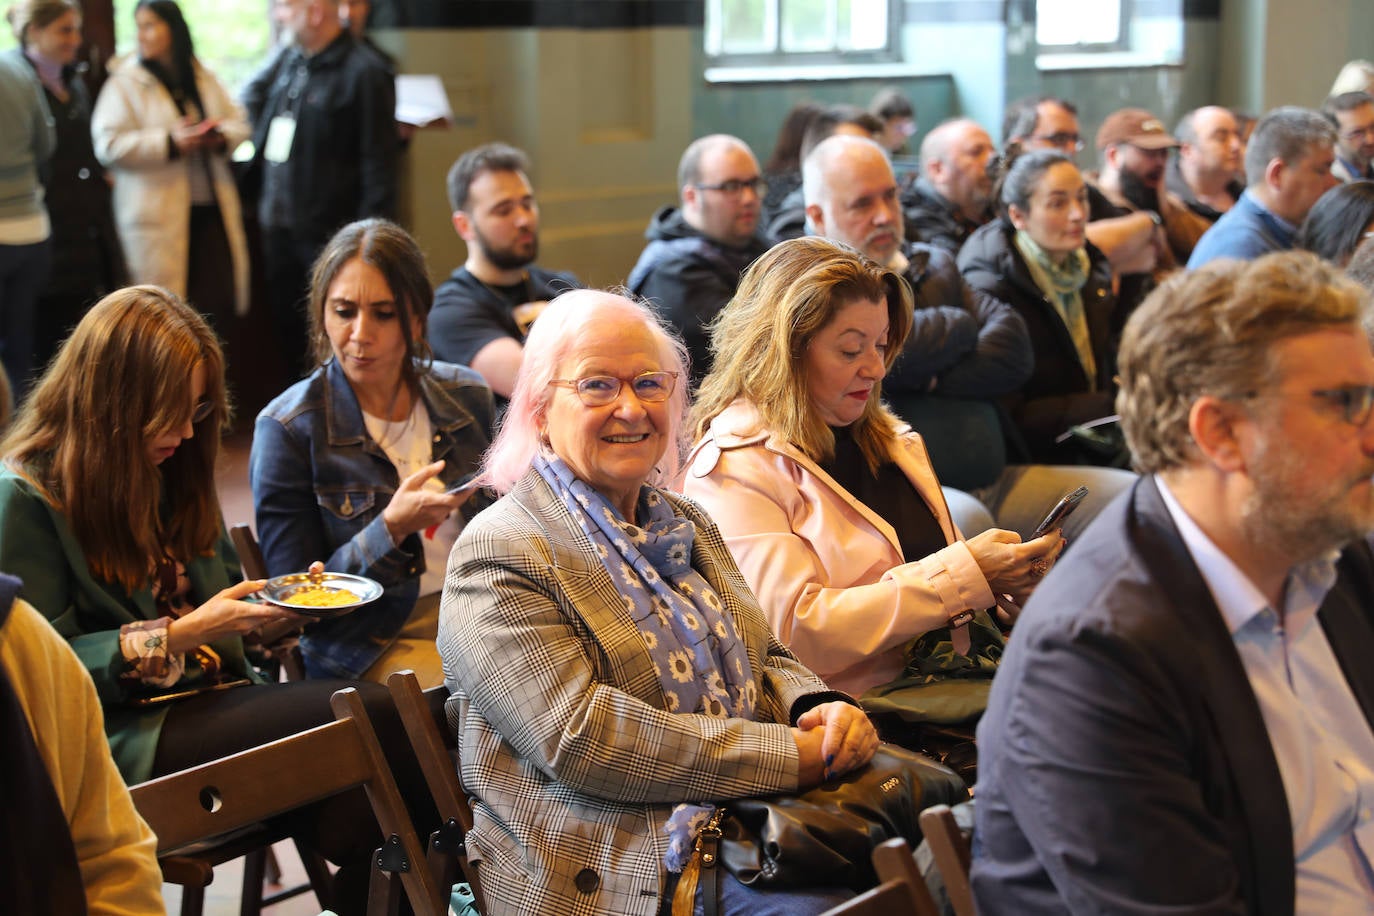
[
  {"x": 828, "y": 501},
  {"x": 164, "y": 125},
  {"x": 356, "y": 462}
]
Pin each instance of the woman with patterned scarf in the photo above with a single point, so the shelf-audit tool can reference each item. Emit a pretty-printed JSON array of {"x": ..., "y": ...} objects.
[
  {"x": 1037, "y": 258},
  {"x": 609, "y": 665}
]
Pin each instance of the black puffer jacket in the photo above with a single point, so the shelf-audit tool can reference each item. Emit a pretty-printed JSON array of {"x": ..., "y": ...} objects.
[
  {"x": 688, "y": 278},
  {"x": 964, "y": 341},
  {"x": 1059, "y": 394},
  {"x": 930, "y": 218}
]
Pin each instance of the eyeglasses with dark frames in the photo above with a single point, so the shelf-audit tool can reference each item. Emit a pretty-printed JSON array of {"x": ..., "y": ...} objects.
[
  {"x": 735, "y": 187},
  {"x": 1061, "y": 140},
  {"x": 600, "y": 390}
]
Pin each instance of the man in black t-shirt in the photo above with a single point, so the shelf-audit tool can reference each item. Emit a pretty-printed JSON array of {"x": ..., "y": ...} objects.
[{"x": 483, "y": 311}]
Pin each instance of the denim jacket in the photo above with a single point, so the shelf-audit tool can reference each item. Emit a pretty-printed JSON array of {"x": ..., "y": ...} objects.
[{"x": 320, "y": 484}]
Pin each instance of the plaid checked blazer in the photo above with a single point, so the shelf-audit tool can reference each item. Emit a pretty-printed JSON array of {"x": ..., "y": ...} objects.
[{"x": 572, "y": 759}]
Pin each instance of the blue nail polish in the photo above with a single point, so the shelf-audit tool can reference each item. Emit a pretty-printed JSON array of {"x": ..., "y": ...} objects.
[{"x": 829, "y": 761}]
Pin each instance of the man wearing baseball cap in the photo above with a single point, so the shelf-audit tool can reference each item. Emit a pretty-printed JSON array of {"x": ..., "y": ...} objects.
[{"x": 1134, "y": 146}]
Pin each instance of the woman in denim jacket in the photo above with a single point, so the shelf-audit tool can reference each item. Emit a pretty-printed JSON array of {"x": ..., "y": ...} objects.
[{"x": 355, "y": 462}]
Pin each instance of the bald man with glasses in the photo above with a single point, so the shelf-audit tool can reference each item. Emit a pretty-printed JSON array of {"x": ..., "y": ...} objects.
[{"x": 698, "y": 250}]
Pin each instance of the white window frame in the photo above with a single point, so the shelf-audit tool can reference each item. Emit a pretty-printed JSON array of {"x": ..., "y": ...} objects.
[
  {"x": 1092, "y": 7},
  {"x": 1151, "y": 35},
  {"x": 776, "y": 56}
]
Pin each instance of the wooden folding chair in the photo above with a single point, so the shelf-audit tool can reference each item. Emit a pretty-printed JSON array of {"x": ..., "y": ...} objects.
[
  {"x": 901, "y": 891},
  {"x": 245, "y": 789},
  {"x": 952, "y": 857},
  {"x": 422, "y": 716},
  {"x": 279, "y": 641},
  {"x": 194, "y": 869}
]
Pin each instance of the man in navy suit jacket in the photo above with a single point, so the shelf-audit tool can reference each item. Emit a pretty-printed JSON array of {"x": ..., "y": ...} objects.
[{"x": 1182, "y": 720}]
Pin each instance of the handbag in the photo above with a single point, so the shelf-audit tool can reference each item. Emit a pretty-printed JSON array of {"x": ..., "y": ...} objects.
[
  {"x": 936, "y": 702},
  {"x": 824, "y": 836}
]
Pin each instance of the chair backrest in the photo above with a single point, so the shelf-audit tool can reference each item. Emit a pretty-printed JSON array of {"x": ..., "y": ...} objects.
[
  {"x": 901, "y": 889},
  {"x": 422, "y": 715},
  {"x": 250, "y": 554},
  {"x": 240, "y": 790},
  {"x": 950, "y": 850},
  {"x": 887, "y": 899},
  {"x": 279, "y": 639}
]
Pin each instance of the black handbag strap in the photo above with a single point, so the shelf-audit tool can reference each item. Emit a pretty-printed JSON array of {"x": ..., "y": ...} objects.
[
  {"x": 708, "y": 847},
  {"x": 699, "y": 878}
]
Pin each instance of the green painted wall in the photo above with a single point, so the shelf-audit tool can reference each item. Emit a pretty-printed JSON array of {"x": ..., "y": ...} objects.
[{"x": 605, "y": 114}]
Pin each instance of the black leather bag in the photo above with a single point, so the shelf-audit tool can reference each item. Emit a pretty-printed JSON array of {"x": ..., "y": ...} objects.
[
  {"x": 935, "y": 704},
  {"x": 825, "y": 836}
]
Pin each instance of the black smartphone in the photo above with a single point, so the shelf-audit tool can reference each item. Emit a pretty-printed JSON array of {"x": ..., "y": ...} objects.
[
  {"x": 1067, "y": 503},
  {"x": 466, "y": 482}
]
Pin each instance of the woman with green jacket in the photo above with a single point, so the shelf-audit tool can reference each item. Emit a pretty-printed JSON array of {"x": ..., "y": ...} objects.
[{"x": 109, "y": 515}]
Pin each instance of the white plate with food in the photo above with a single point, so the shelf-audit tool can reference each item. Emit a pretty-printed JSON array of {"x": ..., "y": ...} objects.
[{"x": 321, "y": 594}]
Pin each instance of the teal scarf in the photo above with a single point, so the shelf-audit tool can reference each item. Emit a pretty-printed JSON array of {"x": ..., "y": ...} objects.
[{"x": 1063, "y": 285}]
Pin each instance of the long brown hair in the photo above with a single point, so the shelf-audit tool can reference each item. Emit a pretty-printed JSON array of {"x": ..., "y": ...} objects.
[
  {"x": 121, "y": 378},
  {"x": 759, "y": 340}
]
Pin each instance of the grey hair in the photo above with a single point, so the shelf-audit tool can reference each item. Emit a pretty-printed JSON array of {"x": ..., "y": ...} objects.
[
  {"x": 1286, "y": 134},
  {"x": 814, "y": 167},
  {"x": 1023, "y": 115}
]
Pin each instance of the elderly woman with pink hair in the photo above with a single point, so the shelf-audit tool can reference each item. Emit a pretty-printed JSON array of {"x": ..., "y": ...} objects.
[{"x": 609, "y": 666}]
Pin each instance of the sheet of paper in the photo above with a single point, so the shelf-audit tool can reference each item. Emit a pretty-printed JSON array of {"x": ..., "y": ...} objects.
[{"x": 421, "y": 99}]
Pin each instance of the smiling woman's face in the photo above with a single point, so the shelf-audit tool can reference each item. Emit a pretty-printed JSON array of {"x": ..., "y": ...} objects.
[
  {"x": 154, "y": 36},
  {"x": 614, "y": 447},
  {"x": 58, "y": 41}
]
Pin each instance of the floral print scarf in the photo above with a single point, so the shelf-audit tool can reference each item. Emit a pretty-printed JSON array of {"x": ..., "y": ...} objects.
[{"x": 695, "y": 647}]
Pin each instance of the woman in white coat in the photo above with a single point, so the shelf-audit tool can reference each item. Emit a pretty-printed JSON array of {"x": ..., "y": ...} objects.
[{"x": 165, "y": 126}]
